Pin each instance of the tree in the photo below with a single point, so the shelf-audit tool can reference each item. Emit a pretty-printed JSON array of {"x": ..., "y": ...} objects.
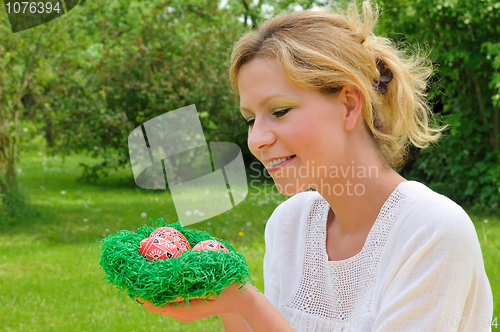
[
  {"x": 22, "y": 62},
  {"x": 27, "y": 61},
  {"x": 465, "y": 41},
  {"x": 147, "y": 60},
  {"x": 143, "y": 61},
  {"x": 256, "y": 12}
]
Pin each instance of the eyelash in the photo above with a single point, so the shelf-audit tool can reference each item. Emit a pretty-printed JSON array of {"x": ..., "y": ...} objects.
[{"x": 283, "y": 112}]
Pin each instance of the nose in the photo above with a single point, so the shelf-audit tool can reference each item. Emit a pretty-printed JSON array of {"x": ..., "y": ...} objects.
[{"x": 260, "y": 136}]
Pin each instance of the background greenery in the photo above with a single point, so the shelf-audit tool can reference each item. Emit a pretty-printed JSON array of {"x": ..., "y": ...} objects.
[
  {"x": 73, "y": 89},
  {"x": 88, "y": 78},
  {"x": 464, "y": 38}
]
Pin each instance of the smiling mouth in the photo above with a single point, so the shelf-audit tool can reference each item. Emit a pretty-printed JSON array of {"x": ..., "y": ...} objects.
[{"x": 279, "y": 161}]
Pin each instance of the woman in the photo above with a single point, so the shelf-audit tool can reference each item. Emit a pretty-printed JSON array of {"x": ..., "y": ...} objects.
[{"x": 332, "y": 107}]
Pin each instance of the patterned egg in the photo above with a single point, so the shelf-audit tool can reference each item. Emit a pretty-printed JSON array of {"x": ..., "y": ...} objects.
[
  {"x": 210, "y": 245},
  {"x": 155, "y": 248},
  {"x": 171, "y": 234}
]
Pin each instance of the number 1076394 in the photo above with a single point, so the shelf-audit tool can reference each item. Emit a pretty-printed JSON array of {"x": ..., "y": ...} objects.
[{"x": 32, "y": 7}]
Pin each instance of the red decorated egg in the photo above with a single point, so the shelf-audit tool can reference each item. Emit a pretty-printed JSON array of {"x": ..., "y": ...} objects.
[
  {"x": 155, "y": 248},
  {"x": 171, "y": 234},
  {"x": 210, "y": 245}
]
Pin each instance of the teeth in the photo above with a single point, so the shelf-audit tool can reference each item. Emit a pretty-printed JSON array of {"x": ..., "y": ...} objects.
[{"x": 277, "y": 161}]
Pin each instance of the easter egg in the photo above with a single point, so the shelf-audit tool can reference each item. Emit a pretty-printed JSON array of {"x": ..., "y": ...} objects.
[
  {"x": 210, "y": 245},
  {"x": 155, "y": 248},
  {"x": 174, "y": 249},
  {"x": 171, "y": 234}
]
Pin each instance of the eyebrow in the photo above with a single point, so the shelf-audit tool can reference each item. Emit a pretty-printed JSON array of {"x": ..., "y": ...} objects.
[{"x": 263, "y": 101}]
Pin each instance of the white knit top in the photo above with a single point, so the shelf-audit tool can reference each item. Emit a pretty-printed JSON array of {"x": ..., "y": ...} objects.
[{"x": 420, "y": 269}]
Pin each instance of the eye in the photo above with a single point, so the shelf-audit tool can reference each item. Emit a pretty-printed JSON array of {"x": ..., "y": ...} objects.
[
  {"x": 281, "y": 113},
  {"x": 249, "y": 122},
  {"x": 278, "y": 114}
]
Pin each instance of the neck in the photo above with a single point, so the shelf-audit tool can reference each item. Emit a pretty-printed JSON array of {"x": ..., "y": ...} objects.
[
  {"x": 362, "y": 188},
  {"x": 356, "y": 209}
]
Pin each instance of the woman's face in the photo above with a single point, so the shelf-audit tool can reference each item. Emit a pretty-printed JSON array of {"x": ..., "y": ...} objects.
[{"x": 287, "y": 120}]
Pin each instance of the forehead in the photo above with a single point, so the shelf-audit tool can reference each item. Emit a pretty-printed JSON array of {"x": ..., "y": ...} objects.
[{"x": 260, "y": 79}]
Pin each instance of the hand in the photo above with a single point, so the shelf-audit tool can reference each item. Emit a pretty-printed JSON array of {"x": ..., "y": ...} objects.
[{"x": 229, "y": 302}]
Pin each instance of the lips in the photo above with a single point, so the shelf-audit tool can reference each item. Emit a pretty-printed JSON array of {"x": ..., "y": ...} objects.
[{"x": 277, "y": 163}]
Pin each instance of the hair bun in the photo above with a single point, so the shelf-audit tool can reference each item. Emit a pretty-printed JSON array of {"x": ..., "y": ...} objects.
[{"x": 386, "y": 76}]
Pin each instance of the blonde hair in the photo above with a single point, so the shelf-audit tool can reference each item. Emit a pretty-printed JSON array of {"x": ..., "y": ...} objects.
[{"x": 328, "y": 49}]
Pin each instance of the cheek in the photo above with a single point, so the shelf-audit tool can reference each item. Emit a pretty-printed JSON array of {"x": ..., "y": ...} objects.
[
  {"x": 253, "y": 152},
  {"x": 250, "y": 148},
  {"x": 308, "y": 135}
]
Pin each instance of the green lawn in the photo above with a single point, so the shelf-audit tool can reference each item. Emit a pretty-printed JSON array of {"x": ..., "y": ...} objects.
[{"x": 49, "y": 275}]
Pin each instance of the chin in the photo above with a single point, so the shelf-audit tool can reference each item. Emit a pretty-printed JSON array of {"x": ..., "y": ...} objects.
[{"x": 287, "y": 189}]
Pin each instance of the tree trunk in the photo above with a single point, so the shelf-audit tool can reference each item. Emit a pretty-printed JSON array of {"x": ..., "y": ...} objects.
[
  {"x": 493, "y": 135},
  {"x": 49, "y": 138},
  {"x": 8, "y": 139},
  {"x": 3, "y": 131},
  {"x": 247, "y": 9},
  {"x": 8, "y": 151},
  {"x": 496, "y": 125}
]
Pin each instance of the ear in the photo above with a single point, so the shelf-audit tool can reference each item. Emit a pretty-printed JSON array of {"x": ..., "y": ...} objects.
[{"x": 353, "y": 101}]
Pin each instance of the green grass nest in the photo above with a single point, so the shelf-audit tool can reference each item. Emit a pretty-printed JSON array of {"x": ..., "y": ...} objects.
[{"x": 193, "y": 274}]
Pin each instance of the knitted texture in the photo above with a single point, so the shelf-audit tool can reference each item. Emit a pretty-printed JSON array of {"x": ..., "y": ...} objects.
[
  {"x": 192, "y": 274},
  {"x": 338, "y": 291},
  {"x": 420, "y": 266}
]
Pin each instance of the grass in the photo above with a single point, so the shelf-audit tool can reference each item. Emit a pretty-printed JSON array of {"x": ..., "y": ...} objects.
[{"x": 49, "y": 275}]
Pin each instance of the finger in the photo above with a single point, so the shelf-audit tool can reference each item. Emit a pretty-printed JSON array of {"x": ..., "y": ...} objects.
[{"x": 191, "y": 308}]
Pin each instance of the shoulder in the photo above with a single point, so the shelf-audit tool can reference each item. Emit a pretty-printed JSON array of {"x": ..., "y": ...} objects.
[
  {"x": 432, "y": 239},
  {"x": 428, "y": 215}
]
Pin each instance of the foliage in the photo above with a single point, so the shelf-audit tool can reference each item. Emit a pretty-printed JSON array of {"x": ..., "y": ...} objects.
[
  {"x": 26, "y": 62},
  {"x": 107, "y": 66},
  {"x": 465, "y": 40},
  {"x": 116, "y": 64},
  {"x": 144, "y": 60},
  {"x": 254, "y": 13}
]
